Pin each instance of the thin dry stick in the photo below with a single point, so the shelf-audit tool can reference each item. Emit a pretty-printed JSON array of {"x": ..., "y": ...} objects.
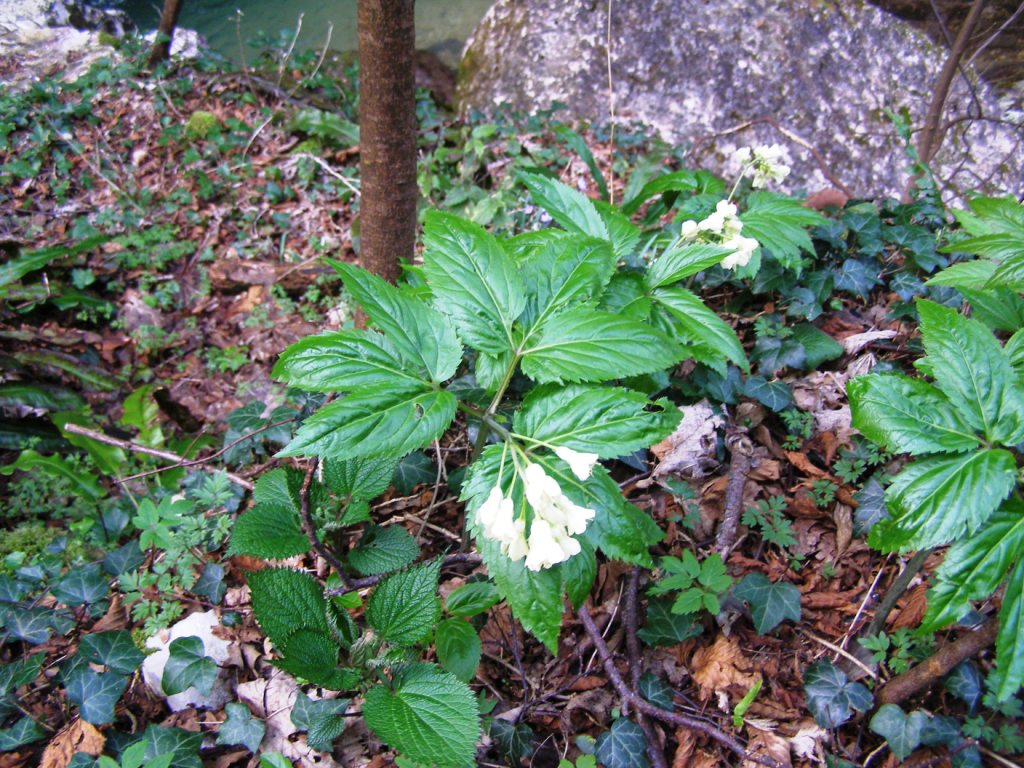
[
  {"x": 739, "y": 468},
  {"x": 992, "y": 38},
  {"x": 459, "y": 558},
  {"x": 309, "y": 526},
  {"x": 179, "y": 461},
  {"x": 637, "y": 702},
  {"x": 611, "y": 110},
  {"x": 630, "y": 617}
]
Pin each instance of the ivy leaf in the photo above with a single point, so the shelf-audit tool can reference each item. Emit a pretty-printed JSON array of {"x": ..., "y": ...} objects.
[
  {"x": 427, "y": 714},
  {"x": 966, "y": 683},
  {"x": 80, "y": 586},
  {"x": 975, "y": 566},
  {"x": 680, "y": 263},
  {"x": 321, "y": 719},
  {"x": 458, "y": 648},
  {"x": 513, "y": 740},
  {"x": 472, "y": 599},
  {"x": 818, "y": 346},
  {"x": 182, "y": 745},
  {"x": 700, "y": 324},
  {"x": 341, "y": 361},
  {"x": 584, "y": 344},
  {"x": 24, "y": 731},
  {"x": 936, "y": 500},
  {"x": 973, "y": 371},
  {"x": 770, "y": 604},
  {"x": 31, "y": 625},
  {"x": 624, "y": 746},
  {"x": 383, "y": 549},
  {"x": 473, "y": 280},
  {"x": 656, "y": 691},
  {"x": 775, "y": 394},
  {"x": 831, "y": 696},
  {"x": 907, "y": 415},
  {"x": 608, "y": 421},
  {"x": 188, "y": 666},
  {"x": 422, "y": 335},
  {"x": 284, "y": 600},
  {"x": 405, "y": 606},
  {"x": 115, "y": 650},
  {"x": 381, "y": 422},
  {"x": 780, "y": 224},
  {"x": 241, "y": 729},
  {"x": 901, "y": 731},
  {"x": 871, "y": 509},
  {"x": 415, "y": 469},
  {"x": 571, "y": 209},
  {"x": 1008, "y": 675},
  {"x": 95, "y": 693},
  {"x": 663, "y": 627}
]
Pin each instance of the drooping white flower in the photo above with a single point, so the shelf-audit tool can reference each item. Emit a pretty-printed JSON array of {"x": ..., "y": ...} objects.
[
  {"x": 717, "y": 222},
  {"x": 581, "y": 464},
  {"x": 516, "y": 547},
  {"x": 549, "y": 544},
  {"x": 766, "y": 162},
  {"x": 742, "y": 155},
  {"x": 549, "y": 503},
  {"x": 689, "y": 230},
  {"x": 744, "y": 249}
]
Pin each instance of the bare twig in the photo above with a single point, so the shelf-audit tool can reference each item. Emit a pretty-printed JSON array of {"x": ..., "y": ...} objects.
[
  {"x": 309, "y": 525},
  {"x": 459, "y": 558},
  {"x": 633, "y": 700},
  {"x": 179, "y": 461},
  {"x": 739, "y": 468},
  {"x": 918, "y": 678},
  {"x": 895, "y": 591},
  {"x": 630, "y": 617}
]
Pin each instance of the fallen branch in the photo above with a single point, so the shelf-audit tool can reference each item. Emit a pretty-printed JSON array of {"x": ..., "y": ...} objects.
[
  {"x": 918, "y": 678},
  {"x": 630, "y": 617},
  {"x": 179, "y": 461},
  {"x": 739, "y": 468},
  {"x": 633, "y": 700}
]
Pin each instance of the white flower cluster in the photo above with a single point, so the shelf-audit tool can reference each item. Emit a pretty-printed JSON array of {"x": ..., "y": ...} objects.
[
  {"x": 723, "y": 227},
  {"x": 766, "y": 163},
  {"x": 556, "y": 519}
]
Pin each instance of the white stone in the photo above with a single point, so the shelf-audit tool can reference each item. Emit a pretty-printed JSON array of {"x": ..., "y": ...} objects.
[{"x": 199, "y": 625}]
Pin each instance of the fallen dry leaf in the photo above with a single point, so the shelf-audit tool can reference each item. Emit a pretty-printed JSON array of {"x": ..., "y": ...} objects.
[
  {"x": 722, "y": 665},
  {"x": 767, "y": 744},
  {"x": 76, "y": 736},
  {"x": 689, "y": 451}
]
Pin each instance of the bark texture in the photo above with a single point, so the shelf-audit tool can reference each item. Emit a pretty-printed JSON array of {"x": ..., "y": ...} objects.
[
  {"x": 387, "y": 134},
  {"x": 161, "y": 49}
]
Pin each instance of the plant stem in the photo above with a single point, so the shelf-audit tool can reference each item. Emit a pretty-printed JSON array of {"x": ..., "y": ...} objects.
[{"x": 309, "y": 525}]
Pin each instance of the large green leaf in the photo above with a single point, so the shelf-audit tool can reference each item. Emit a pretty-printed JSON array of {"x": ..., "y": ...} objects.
[
  {"x": 383, "y": 549},
  {"x": 359, "y": 479},
  {"x": 115, "y": 650},
  {"x": 285, "y": 601},
  {"x": 975, "y": 566},
  {"x": 427, "y": 714},
  {"x": 907, "y": 415},
  {"x": 313, "y": 655},
  {"x": 965, "y": 274},
  {"x": 936, "y": 500},
  {"x": 624, "y": 746},
  {"x": 458, "y": 648},
  {"x": 584, "y": 344},
  {"x": 271, "y": 528},
  {"x": 679, "y": 181},
  {"x": 421, "y": 334},
  {"x": 1009, "y": 672},
  {"x": 780, "y": 224},
  {"x": 95, "y": 693},
  {"x": 405, "y": 607},
  {"x": 770, "y": 603},
  {"x": 188, "y": 666},
  {"x": 679, "y": 263},
  {"x": 971, "y": 368},
  {"x": 383, "y": 422},
  {"x": 240, "y": 728},
  {"x": 901, "y": 731},
  {"x": 573, "y": 210},
  {"x": 564, "y": 272},
  {"x": 341, "y": 361},
  {"x": 608, "y": 421},
  {"x": 700, "y": 324},
  {"x": 473, "y": 280}
]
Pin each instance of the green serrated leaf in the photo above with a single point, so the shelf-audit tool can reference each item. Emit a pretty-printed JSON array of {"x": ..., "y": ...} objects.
[
  {"x": 473, "y": 280},
  {"x": 584, "y": 344},
  {"x": 270, "y": 531},
  {"x": 831, "y": 696},
  {"x": 284, "y": 601},
  {"x": 678, "y": 181},
  {"x": 683, "y": 262},
  {"x": 624, "y": 746},
  {"x": 472, "y": 598},
  {"x": 188, "y": 666},
  {"x": 1008, "y": 675},
  {"x": 382, "y": 422},
  {"x": 360, "y": 478},
  {"x": 965, "y": 274},
  {"x": 907, "y": 415},
  {"x": 383, "y": 549},
  {"x": 405, "y": 606},
  {"x": 578, "y": 574},
  {"x": 422, "y": 335},
  {"x": 95, "y": 693},
  {"x": 427, "y": 714},
  {"x": 571, "y": 209},
  {"x": 608, "y": 421},
  {"x": 936, "y": 500},
  {"x": 322, "y": 719},
  {"x": 901, "y": 731},
  {"x": 241, "y": 729},
  {"x": 342, "y": 361},
  {"x": 115, "y": 650},
  {"x": 700, "y": 324},
  {"x": 971, "y": 368},
  {"x": 313, "y": 655},
  {"x": 458, "y": 648},
  {"x": 780, "y": 224},
  {"x": 770, "y": 603},
  {"x": 974, "y": 566},
  {"x": 564, "y": 272}
]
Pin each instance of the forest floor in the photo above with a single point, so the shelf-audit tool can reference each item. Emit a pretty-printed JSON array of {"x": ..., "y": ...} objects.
[{"x": 190, "y": 213}]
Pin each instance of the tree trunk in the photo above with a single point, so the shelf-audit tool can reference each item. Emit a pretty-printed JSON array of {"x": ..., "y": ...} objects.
[
  {"x": 161, "y": 49},
  {"x": 387, "y": 134}
]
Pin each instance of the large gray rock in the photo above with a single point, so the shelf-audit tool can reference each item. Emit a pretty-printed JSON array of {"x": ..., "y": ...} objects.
[{"x": 699, "y": 72}]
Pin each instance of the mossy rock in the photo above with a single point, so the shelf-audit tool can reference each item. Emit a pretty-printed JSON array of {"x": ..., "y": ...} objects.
[{"x": 200, "y": 125}]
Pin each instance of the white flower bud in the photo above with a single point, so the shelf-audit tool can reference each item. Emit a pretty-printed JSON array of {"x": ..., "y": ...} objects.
[{"x": 581, "y": 464}]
